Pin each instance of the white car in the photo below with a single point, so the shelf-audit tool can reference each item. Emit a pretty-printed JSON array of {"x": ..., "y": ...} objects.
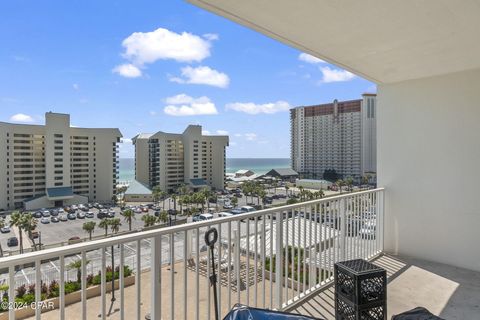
[
  {"x": 224, "y": 214},
  {"x": 247, "y": 209},
  {"x": 203, "y": 217}
]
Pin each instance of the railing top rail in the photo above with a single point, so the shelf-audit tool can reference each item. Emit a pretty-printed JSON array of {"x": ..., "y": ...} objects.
[{"x": 110, "y": 241}]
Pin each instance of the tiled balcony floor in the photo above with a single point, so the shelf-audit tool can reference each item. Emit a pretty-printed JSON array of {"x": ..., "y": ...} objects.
[
  {"x": 449, "y": 292},
  {"x": 452, "y": 293}
]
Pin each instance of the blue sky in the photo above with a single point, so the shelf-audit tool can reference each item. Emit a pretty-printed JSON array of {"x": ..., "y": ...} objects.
[{"x": 146, "y": 66}]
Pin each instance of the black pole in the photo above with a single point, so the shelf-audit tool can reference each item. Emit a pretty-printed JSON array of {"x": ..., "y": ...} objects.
[{"x": 113, "y": 285}]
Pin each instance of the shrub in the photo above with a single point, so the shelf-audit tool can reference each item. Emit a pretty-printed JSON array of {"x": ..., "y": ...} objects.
[
  {"x": 72, "y": 286},
  {"x": 53, "y": 289},
  {"x": 28, "y": 298},
  {"x": 89, "y": 279},
  {"x": 21, "y": 291},
  {"x": 31, "y": 288},
  {"x": 43, "y": 288}
]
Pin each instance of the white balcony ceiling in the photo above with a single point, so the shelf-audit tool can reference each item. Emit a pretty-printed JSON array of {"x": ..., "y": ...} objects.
[{"x": 384, "y": 41}]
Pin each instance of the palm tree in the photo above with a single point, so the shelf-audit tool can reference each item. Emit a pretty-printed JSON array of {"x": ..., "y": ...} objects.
[
  {"x": 104, "y": 224},
  {"x": 2, "y": 223},
  {"x": 206, "y": 196},
  {"x": 115, "y": 225},
  {"x": 234, "y": 201},
  {"x": 77, "y": 264},
  {"x": 340, "y": 183},
  {"x": 128, "y": 216},
  {"x": 286, "y": 190},
  {"x": 156, "y": 193},
  {"x": 262, "y": 194},
  {"x": 149, "y": 220},
  {"x": 349, "y": 183},
  {"x": 16, "y": 220},
  {"x": 174, "y": 198},
  {"x": 163, "y": 217},
  {"x": 89, "y": 227}
]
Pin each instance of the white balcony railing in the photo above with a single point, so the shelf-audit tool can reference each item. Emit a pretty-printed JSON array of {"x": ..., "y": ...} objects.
[{"x": 271, "y": 258}]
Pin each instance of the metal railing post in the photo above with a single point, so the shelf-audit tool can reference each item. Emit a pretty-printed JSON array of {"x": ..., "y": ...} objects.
[
  {"x": 343, "y": 228},
  {"x": 279, "y": 259},
  {"x": 156, "y": 282}
]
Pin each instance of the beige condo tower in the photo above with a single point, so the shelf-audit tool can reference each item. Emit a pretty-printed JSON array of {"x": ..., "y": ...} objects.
[
  {"x": 169, "y": 160},
  {"x": 55, "y": 164}
]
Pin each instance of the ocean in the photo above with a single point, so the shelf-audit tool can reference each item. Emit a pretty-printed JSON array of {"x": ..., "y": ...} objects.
[{"x": 257, "y": 165}]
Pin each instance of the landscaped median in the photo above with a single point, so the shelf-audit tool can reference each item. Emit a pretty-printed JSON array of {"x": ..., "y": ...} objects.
[{"x": 25, "y": 305}]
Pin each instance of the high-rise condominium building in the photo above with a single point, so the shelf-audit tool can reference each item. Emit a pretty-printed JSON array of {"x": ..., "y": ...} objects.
[
  {"x": 169, "y": 160},
  {"x": 335, "y": 138},
  {"x": 49, "y": 165}
]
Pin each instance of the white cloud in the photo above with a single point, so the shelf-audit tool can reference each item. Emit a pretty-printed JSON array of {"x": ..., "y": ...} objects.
[
  {"x": 162, "y": 44},
  {"x": 308, "y": 58},
  {"x": 222, "y": 132},
  {"x": 335, "y": 75},
  {"x": 250, "y": 136},
  {"x": 184, "y": 105},
  {"x": 232, "y": 143},
  {"x": 211, "y": 36},
  {"x": 128, "y": 70},
  {"x": 76, "y": 87},
  {"x": 126, "y": 140},
  {"x": 253, "y": 108},
  {"x": 238, "y": 134},
  {"x": 179, "y": 99},
  {"x": 21, "y": 117},
  {"x": 206, "y": 132},
  {"x": 202, "y": 75}
]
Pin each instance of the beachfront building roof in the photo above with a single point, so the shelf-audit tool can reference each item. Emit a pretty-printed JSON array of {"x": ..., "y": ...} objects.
[
  {"x": 282, "y": 173},
  {"x": 138, "y": 192},
  {"x": 244, "y": 173}
]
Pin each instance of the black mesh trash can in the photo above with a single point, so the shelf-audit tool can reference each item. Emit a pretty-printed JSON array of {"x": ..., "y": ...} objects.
[{"x": 360, "y": 291}]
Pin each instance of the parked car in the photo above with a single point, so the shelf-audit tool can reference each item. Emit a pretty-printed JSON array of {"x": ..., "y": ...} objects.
[
  {"x": 45, "y": 220},
  {"x": 12, "y": 242},
  {"x": 62, "y": 217},
  {"x": 247, "y": 208},
  {"x": 37, "y": 214},
  {"x": 54, "y": 219},
  {"x": 54, "y": 212},
  {"x": 89, "y": 214},
  {"x": 46, "y": 214},
  {"x": 5, "y": 229},
  {"x": 236, "y": 211},
  {"x": 202, "y": 217},
  {"x": 74, "y": 240},
  {"x": 156, "y": 213},
  {"x": 224, "y": 214},
  {"x": 138, "y": 210},
  {"x": 144, "y": 208},
  {"x": 227, "y": 206},
  {"x": 81, "y": 215},
  {"x": 71, "y": 216}
]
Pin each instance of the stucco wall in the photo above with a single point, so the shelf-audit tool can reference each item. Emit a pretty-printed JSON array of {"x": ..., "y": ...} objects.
[{"x": 429, "y": 162}]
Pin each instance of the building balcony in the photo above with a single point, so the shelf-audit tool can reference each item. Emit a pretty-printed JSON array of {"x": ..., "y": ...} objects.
[{"x": 171, "y": 266}]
